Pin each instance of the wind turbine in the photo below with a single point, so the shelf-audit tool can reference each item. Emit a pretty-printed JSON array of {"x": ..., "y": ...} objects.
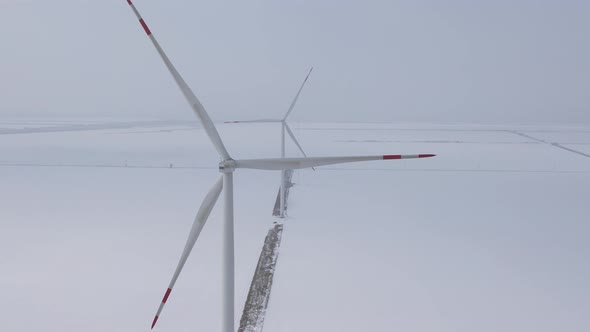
[
  {"x": 284, "y": 127},
  {"x": 227, "y": 166}
]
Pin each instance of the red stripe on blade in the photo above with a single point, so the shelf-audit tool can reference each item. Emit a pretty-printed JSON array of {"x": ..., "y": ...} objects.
[
  {"x": 145, "y": 27},
  {"x": 154, "y": 322},
  {"x": 129, "y": 2},
  {"x": 166, "y": 295},
  {"x": 392, "y": 156},
  {"x": 426, "y": 155}
]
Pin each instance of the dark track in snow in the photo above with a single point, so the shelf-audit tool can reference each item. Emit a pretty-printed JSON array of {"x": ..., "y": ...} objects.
[{"x": 259, "y": 294}]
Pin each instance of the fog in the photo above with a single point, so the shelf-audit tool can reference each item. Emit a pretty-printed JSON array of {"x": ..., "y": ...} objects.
[
  {"x": 490, "y": 235},
  {"x": 457, "y": 61}
]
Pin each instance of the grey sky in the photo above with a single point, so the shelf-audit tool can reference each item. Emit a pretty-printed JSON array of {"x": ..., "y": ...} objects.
[{"x": 466, "y": 61}]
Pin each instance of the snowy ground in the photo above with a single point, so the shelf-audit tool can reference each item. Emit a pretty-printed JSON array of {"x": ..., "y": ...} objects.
[{"x": 490, "y": 235}]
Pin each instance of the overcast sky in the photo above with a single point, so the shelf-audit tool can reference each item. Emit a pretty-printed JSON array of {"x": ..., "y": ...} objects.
[{"x": 450, "y": 61}]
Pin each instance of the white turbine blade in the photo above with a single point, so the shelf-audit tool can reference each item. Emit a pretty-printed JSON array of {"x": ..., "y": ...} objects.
[
  {"x": 200, "y": 219},
  {"x": 186, "y": 91},
  {"x": 256, "y": 121},
  {"x": 294, "y": 139},
  {"x": 297, "y": 163},
  {"x": 297, "y": 95}
]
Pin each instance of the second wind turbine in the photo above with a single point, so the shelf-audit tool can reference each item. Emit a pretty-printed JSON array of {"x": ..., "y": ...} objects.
[{"x": 282, "y": 195}]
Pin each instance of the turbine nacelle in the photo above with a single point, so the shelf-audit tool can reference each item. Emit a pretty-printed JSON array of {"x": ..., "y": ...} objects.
[{"x": 227, "y": 166}]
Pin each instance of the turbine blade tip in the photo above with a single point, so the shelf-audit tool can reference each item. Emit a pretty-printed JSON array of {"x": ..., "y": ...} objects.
[
  {"x": 154, "y": 322},
  {"x": 166, "y": 295},
  {"x": 145, "y": 27},
  {"x": 407, "y": 156}
]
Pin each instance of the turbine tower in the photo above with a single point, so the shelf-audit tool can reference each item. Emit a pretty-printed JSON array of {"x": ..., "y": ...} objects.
[
  {"x": 282, "y": 197},
  {"x": 227, "y": 166}
]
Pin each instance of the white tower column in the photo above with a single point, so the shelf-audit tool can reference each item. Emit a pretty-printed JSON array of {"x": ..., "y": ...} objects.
[
  {"x": 227, "y": 273},
  {"x": 283, "y": 184}
]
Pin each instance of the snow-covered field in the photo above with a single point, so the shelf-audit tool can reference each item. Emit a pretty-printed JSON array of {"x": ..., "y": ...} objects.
[{"x": 491, "y": 235}]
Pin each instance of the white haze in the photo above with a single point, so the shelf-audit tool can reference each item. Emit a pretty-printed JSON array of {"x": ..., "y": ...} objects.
[
  {"x": 491, "y": 235},
  {"x": 452, "y": 61}
]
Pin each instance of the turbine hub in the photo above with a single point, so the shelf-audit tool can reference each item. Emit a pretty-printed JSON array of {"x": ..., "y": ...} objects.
[{"x": 227, "y": 166}]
